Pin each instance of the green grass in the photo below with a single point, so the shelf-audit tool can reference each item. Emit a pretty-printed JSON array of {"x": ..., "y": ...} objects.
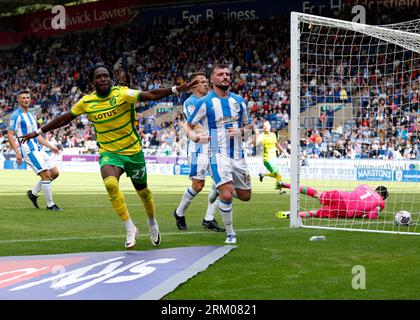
[{"x": 272, "y": 261}]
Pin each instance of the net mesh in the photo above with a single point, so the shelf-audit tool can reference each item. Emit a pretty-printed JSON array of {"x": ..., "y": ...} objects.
[{"x": 359, "y": 119}]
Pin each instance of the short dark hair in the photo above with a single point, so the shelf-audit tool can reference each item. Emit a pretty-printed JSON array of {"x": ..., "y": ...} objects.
[
  {"x": 218, "y": 66},
  {"x": 382, "y": 191},
  {"x": 26, "y": 91},
  {"x": 195, "y": 74},
  {"x": 100, "y": 65}
]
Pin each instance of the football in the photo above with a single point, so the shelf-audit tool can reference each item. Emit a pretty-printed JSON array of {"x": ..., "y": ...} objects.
[{"x": 402, "y": 218}]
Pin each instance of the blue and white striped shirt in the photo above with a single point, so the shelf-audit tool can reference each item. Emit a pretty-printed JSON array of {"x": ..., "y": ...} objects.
[
  {"x": 218, "y": 115},
  {"x": 22, "y": 123},
  {"x": 188, "y": 108}
]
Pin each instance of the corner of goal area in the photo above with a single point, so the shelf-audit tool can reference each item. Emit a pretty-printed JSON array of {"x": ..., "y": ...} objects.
[{"x": 114, "y": 275}]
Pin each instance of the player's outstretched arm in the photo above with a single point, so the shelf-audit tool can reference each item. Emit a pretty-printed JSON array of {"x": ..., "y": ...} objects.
[
  {"x": 58, "y": 122},
  {"x": 160, "y": 93},
  {"x": 44, "y": 142}
]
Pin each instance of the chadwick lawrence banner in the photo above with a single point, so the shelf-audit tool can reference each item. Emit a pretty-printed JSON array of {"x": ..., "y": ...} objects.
[{"x": 78, "y": 18}]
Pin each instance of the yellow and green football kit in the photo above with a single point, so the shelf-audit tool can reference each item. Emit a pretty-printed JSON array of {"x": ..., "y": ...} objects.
[
  {"x": 113, "y": 118},
  {"x": 269, "y": 144}
]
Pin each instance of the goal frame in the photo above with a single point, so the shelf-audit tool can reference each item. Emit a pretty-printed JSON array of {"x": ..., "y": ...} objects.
[{"x": 295, "y": 117}]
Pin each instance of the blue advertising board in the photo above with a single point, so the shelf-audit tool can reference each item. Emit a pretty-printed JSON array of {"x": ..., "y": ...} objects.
[
  {"x": 407, "y": 175},
  {"x": 374, "y": 174}
]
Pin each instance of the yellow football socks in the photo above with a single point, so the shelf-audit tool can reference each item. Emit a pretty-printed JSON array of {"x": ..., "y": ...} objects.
[
  {"x": 146, "y": 197},
  {"x": 116, "y": 197}
]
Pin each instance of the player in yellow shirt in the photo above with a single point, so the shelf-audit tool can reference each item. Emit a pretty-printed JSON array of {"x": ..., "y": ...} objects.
[
  {"x": 270, "y": 145},
  {"x": 111, "y": 110}
]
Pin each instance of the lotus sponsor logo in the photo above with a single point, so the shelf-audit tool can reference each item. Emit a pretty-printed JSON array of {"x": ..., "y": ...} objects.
[{"x": 103, "y": 275}]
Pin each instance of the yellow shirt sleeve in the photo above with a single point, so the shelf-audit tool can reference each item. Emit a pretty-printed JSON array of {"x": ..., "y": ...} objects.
[
  {"x": 78, "y": 108},
  {"x": 131, "y": 95}
]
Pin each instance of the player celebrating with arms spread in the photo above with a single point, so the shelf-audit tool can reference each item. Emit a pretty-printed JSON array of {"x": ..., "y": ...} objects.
[
  {"x": 111, "y": 110},
  {"x": 227, "y": 118}
]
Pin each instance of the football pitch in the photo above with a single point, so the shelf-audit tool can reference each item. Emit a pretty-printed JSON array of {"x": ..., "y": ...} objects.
[{"x": 272, "y": 261}]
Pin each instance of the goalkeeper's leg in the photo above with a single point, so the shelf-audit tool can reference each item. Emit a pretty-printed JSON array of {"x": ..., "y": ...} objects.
[
  {"x": 307, "y": 214},
  {"x": 304, "y": 190}
]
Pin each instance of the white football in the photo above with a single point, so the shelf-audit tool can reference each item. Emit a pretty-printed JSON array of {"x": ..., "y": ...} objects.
[{"x": 402, "y": 218}]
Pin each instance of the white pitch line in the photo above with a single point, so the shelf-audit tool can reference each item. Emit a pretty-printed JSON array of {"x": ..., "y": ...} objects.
[
  {"x": 106, "y": 205},
  {"x": 123, "y": 235}
]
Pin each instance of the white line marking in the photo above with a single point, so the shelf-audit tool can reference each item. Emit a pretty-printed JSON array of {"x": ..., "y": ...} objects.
[
  {"x": 123, "y": 235},
  {"x": 108, "y": 205}
]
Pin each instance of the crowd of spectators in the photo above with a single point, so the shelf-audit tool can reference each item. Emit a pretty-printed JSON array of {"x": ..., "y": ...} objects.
[
  {"x": 377, "y": 80},
  {"x": 148, "y": 57}
]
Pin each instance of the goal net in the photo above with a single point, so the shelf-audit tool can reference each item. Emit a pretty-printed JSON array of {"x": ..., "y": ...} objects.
[{"x": 355, "y": 124}]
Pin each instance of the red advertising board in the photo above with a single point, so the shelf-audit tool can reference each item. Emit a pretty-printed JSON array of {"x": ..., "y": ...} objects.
[{"x": 81, "y": 17}]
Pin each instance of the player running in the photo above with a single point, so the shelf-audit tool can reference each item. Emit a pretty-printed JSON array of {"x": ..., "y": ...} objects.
[
  {"x": 198, "y": 155},
  {"x": 270, "y": 145},
  {"x": 227, "y": 121},
  {"x": 111, "y": 110},
  {"x": 21, "y": 122}
]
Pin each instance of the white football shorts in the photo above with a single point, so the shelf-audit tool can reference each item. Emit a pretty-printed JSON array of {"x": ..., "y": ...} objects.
[
  {"x": 199, "y": 165},
  {"x": 39, "y": 161},
  {"x": 225, "y": 169}
]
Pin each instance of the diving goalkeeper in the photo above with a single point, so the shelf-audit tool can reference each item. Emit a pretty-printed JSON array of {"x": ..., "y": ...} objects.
[{"x": 363, "y": 202}]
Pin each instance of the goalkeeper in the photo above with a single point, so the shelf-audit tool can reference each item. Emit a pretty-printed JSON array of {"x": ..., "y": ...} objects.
[
  {"x": 362, "y": 202},
  {"x": 270, "y": 145}
]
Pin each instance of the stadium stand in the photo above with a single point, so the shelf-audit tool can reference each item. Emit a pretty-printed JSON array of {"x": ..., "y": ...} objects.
[{"x": 147, "y": 57}]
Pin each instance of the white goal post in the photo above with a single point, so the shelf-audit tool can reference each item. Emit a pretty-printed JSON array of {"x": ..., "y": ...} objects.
[{"x": 355, "y": 121}]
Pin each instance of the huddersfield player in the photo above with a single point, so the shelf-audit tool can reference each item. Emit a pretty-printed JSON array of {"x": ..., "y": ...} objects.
[
  {"x": 228, "y": 122},
  {"x": 199, "y": 163},
  {"x": 21, "y": 122},
  {"x": 111, "y": 110},
  {"x": 362, "y": 202},
  {"x": 270, "y": 145}
]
